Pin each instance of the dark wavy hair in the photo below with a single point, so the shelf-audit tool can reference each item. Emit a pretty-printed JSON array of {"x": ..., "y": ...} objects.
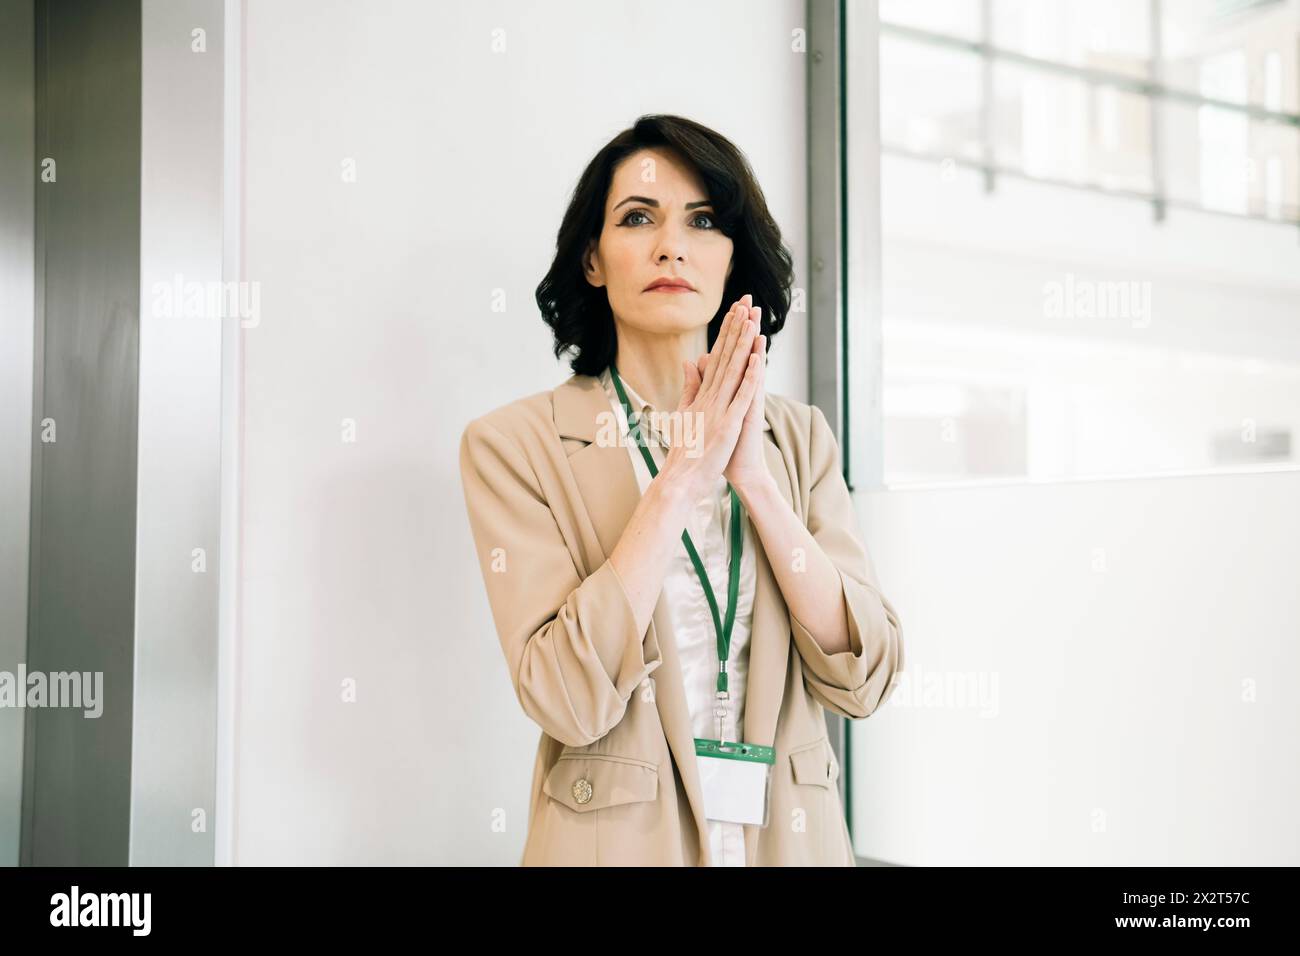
[{"x": 578, "y": 312}]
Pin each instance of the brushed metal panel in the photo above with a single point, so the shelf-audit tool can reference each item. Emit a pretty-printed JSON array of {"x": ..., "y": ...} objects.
[
  {"x": 77, "y": 769},
  {"x": 17, "y": 330}
]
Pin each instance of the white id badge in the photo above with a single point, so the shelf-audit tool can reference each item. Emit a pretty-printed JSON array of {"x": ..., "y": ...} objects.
[{"x": 736, "y": 779}]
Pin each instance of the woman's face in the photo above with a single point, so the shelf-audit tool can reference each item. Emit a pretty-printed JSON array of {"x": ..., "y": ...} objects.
[{"x": 659, "y": 224}]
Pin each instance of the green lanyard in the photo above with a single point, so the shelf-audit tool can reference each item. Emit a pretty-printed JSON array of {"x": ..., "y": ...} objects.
[{"x": 733, "y": 574}]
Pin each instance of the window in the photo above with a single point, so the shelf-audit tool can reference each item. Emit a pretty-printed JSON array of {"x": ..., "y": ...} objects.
[{"x": 1091, "y": 237}]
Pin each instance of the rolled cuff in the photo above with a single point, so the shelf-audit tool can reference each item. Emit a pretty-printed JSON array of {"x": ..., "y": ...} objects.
[
  {"x": 855, "y": 682},
  {"x": 579, "y": 671}
]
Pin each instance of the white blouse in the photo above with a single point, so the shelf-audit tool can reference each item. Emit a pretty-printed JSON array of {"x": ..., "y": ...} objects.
[{"x": 696, "y": 640}]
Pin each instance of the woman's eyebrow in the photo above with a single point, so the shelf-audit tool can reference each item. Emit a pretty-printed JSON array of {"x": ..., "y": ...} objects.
[{"x": 655, "y": 202}]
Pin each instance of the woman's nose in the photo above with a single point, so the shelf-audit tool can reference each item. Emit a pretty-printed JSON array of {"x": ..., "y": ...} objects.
[{"x": 672, "y": 246}]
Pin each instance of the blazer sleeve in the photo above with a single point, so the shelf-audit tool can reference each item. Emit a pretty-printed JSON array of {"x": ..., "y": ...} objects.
[
  {"x": 855, "y": 682},
  {"x": 572, "y": 646}
]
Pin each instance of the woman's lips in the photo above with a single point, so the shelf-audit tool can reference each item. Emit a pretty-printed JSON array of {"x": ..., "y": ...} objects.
[{"x": 670, "y": 288}]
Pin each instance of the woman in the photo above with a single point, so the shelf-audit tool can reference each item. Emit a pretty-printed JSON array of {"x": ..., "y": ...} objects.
[{"x": 670, "y": 554}]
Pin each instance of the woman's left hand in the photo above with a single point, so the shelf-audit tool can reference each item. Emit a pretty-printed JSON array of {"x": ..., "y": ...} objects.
[{"x": 747, "y": 469}]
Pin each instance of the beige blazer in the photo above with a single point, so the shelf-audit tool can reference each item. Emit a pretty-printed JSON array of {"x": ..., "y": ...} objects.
[{"x": 615, "y": 780}]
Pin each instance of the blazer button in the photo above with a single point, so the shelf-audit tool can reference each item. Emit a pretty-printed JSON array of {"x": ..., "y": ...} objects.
[{"x": 582, "y": 790}]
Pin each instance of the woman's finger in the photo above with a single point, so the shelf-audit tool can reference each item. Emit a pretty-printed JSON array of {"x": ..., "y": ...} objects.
[
  {"x": 728, "y": 378},
  {"x": 745, "y": 393},
  {"x": 740, "y": 352},
  {"x": 690, "y": 384},
  {"x": 707, "y": 383}
]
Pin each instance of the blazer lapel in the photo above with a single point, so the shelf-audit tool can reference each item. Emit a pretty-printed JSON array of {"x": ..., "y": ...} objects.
[{"x": 610, "y": 492}]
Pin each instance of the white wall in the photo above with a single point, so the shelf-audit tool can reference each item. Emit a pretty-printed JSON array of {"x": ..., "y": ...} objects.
[
  {"x": 1138, "y": 645},
  {"x": 376, "y": 307}
]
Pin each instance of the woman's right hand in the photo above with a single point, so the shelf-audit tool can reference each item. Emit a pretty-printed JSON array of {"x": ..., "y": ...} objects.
[{"x": 714, "y": 401}]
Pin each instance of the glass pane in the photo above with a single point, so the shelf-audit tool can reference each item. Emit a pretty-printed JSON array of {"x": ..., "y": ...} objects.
[
  {"x": 959, "y": 18},
  {"x": 929, "y": 99},
  {"x": 1224, "y": 160},
  {"x": 1061, "y": 128},
  {"x": 962, "y": 403},
  {"x": 1242, "y": 51},
  {"x": 1043, "y": 332},
  {"x": 939, "y": 427},
  {"x": 1108, "y": 35}
]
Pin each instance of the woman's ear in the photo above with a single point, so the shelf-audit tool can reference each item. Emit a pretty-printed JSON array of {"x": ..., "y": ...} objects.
[{"x": 591, "y": 268}]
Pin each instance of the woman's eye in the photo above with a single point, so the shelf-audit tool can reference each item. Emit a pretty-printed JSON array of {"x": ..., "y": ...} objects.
[{"x": 703, "y": 220}]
